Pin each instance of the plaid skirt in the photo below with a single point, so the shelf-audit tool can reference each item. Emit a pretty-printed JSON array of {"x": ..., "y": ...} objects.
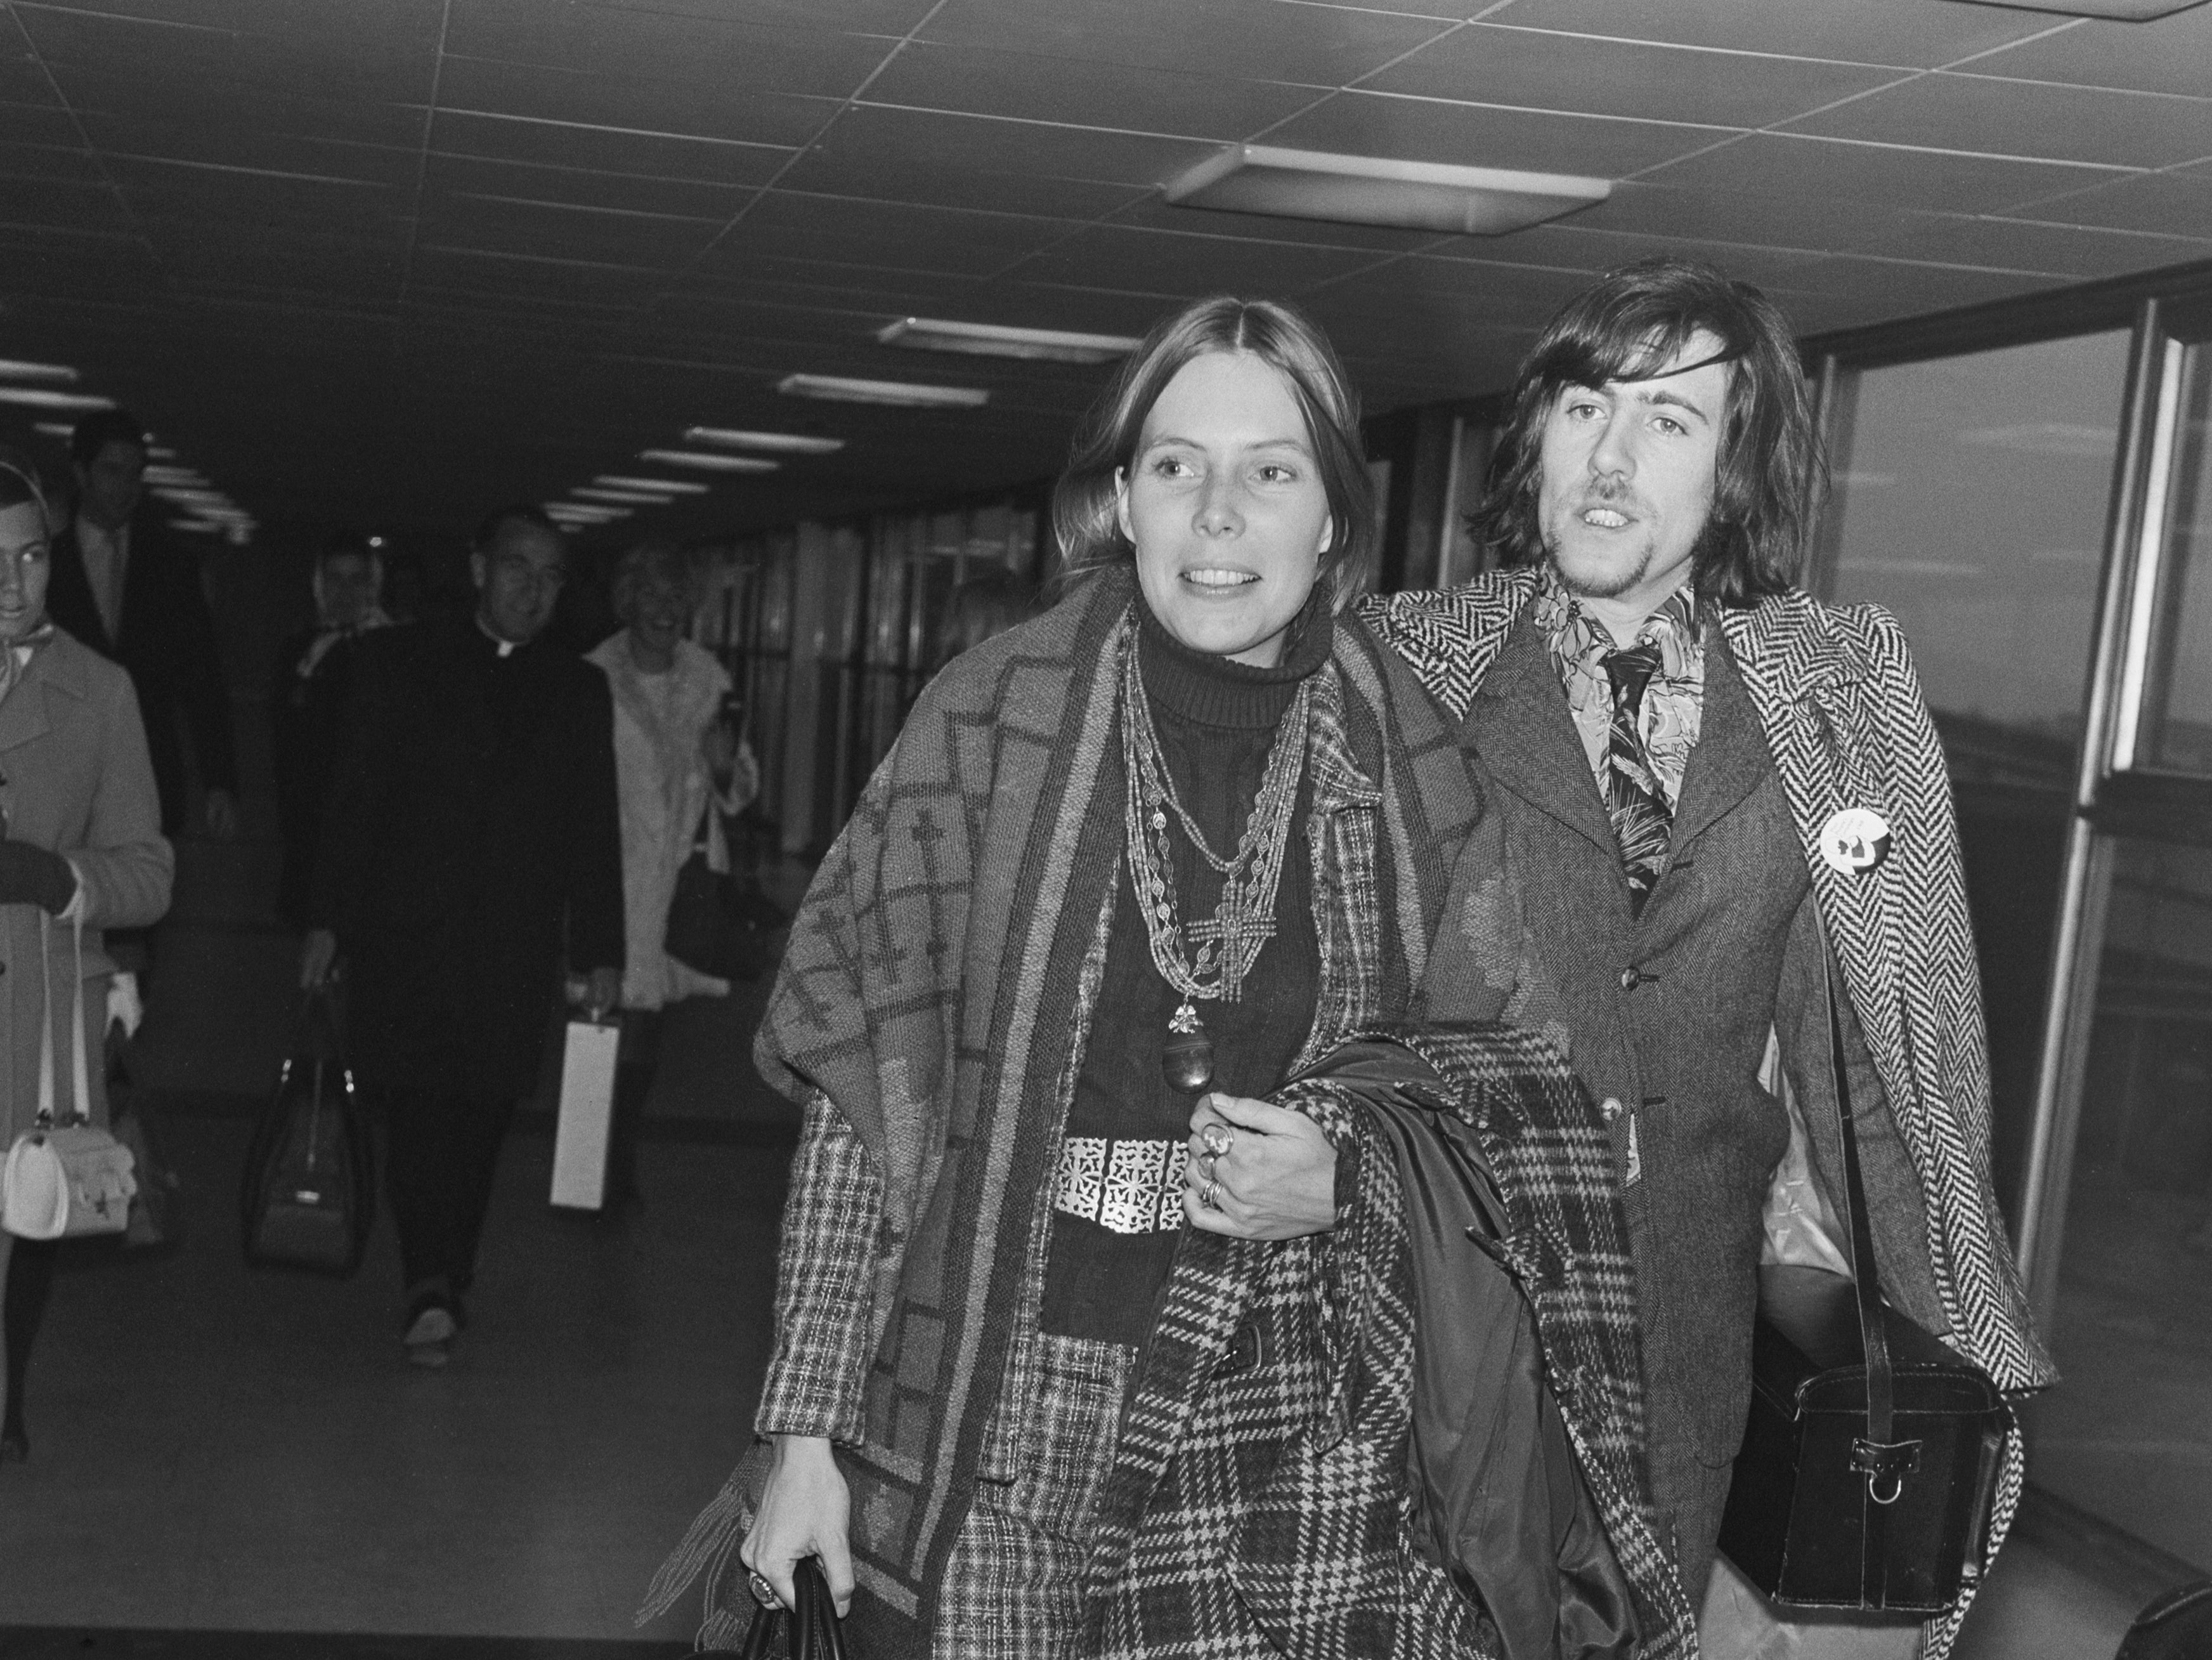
[{"x": 1012, "y": 1588}]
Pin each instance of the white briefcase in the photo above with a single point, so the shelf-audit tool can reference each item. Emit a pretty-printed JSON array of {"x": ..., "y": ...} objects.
[{"x": 587, "y": 1114}]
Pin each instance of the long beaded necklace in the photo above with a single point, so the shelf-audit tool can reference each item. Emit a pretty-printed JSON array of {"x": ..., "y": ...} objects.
[{"x": 1223, "y": 949}]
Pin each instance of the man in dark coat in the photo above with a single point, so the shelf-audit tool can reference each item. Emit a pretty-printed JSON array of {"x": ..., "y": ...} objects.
[
  {"x": 130, "y": 590},
  {"x": 470, "y": 834}
]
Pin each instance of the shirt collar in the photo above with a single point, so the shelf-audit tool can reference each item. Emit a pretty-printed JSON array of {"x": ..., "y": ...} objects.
[{"x": 1576, "y": 637}]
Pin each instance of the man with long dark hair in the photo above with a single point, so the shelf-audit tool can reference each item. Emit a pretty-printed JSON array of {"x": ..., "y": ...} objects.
[{"x": 1718, "y": 792}]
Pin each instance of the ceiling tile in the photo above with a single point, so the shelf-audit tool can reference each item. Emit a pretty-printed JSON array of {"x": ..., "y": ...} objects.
[
  {"x": 977, "y": 80},
  {"x": 583, "y": 188},
  {"x": 888, "y": 289},
  {"x": 1152, "y": 262},
  {"x": 1485, "y": 293},
  {"x": 848, "y": 231},
  {"x": 224, "y": 107},
  {"x": 26, "y": 124},
  {"x": 1579, "y": 245},
  {"x": 1841, "y": 291},
  {"x": 551, "y": 94},
  {"x": 2167, "y": 55},
  {"x": 2018, "y": 118},
  {"x": 545, "y": 230},
  {"x": 499, "y": 280},
  {"x": 1156, "y": 213},
  {"x": 74, "y": 205},
  {"x": 1818, "y": 172},
  {"x": 209, "y": 145},
  {"x": 42, "y": 161},
  {"x": 315, "y": 270},
  {"x": 1530, "y": 68},
  {"x": 1910, "y": 34},
  {"x": 1796, "y": 220},
  {"x": 728, "y": 56},
  {"x": 2164, "y": 204},
  {"x": 126, "y": 45},
  {"x": 2015, "y": 244},
  {"x": 1245, "y": 40},
  {"x": 892, "y": 17},
  {"x": 1471, "y": 135},
  {"x": 606, "y": 150},
  {"x": 163, "y": 190},
  {"x": 1051, "y": 305},
  {"x": 23, "y": 80}
]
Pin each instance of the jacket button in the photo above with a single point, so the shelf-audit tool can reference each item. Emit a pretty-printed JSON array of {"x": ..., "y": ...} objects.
[
  {"x": 1629, "y": 977},
  {"x": 1610, "y": 1107}
]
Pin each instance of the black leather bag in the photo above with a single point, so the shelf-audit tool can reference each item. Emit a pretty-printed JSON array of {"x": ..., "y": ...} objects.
[
  {"x": 308, "y": 1196},
  {"x": 809, "y": 1631},
  {"x": 709, "y": 929},
  {"x": 1873, "y": 1449}
]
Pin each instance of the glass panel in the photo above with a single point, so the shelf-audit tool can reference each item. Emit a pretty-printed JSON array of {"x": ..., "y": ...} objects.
[
  {"x": 1971, "y": 499},
  {"x": 2177, "y": 723},
  {"x": 2128, "y": 1434}
]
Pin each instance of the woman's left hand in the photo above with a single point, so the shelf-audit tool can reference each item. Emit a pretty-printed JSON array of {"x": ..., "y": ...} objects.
[{"x": 1258, "y": 1171}]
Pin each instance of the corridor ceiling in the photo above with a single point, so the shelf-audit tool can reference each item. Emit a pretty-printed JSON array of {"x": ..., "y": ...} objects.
[{"x": 388, "y": 262}]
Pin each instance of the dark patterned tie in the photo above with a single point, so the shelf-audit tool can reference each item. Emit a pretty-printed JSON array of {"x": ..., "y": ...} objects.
[{"x": 1641, "y": 817}]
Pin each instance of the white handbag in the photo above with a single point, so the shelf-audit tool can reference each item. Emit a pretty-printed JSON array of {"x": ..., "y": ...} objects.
[{"x": 68, "y": 1177}]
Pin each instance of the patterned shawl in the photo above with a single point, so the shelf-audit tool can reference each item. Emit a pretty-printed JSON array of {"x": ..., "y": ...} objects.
[{"x": 931, "y": 986}]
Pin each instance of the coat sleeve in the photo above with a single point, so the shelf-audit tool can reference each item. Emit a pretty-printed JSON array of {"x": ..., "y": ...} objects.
[
  {"x": 124, "y": 864},
  {"x": 363, "y": 783},
  {"x": 595, "y": 874},
  {"x": 825, "y": 1273}
]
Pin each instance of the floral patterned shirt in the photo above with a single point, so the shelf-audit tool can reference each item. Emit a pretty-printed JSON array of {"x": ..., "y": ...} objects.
[{"x": 1674, "y": 700}]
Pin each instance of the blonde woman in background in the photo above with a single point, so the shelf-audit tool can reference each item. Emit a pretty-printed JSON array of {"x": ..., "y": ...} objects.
[{"x": 681, "y": 766}]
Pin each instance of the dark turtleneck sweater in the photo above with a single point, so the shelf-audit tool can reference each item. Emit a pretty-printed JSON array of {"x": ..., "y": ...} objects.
[{"x": 1216, "y": 721}]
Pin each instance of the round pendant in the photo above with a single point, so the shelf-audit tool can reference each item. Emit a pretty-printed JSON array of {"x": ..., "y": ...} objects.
[{"x": 1187, "y": 1061}]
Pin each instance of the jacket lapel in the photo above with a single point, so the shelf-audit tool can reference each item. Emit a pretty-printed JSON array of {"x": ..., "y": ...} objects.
[
  {"x": 1731, "y": 753},
  {"x": 1519, "y": 725}
]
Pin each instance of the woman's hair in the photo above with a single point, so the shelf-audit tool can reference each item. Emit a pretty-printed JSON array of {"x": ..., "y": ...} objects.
[
  {"x": 19, "y": 480},
  {"x": 1770, "y": 473},
  {"x": 1082, "y": 504},
  {"x": 651, "y": 561}
]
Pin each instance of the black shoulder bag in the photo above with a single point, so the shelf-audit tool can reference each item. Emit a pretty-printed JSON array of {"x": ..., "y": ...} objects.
[{"x": 1873, "y": 1449}]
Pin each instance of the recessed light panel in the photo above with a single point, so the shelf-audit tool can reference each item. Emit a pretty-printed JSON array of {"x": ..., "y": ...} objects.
[
  {"x": 1370, "y": 189},
  {"x": 14, "y": 368},
  {"x": 898, "y": 394},
  {"x": 664, "y": 486},
  {"x": 998, "y": 340},
  {"x": 38, "y": 397},
  {"x": 775, "y": 443},
  {"x": 640, "y": 498},
  {"x": 707, "y": 463}
]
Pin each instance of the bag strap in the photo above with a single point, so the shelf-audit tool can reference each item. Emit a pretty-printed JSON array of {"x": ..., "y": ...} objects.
[
  {"x": 1883, "y": 1461},
  {"x": 80, "y": 1066}
]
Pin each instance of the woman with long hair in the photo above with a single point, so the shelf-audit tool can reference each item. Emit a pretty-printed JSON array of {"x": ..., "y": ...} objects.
[{"x": 1131, "y": 866}]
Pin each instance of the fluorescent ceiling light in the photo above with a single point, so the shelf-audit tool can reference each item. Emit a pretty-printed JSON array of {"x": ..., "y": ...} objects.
[
  {"x": 38, "y": 397},
  {"x": 579, "y": 513},
  {"x": 1373, "y": 190},
  {"x": 14, "y": 369},
  {"x": 166, "y": 475},
  {"x": 644, "y": 498},
  {"x": 899, "y": 394},
  {"x": 775, "y": 443},
  {"x": 154, "y": 452},
  {"x": 54, "y": 429},
  {"x": 184, "y": 493},
  {"x": 666, "y": 486},
  {"x": 707, "y": 463},
  {"x": 198, "y": 526},
  {"x": 997, "y": 340}
]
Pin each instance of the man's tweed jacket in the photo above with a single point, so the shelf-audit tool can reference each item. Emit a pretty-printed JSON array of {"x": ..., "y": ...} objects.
[{"x": 1842, "y": 713}]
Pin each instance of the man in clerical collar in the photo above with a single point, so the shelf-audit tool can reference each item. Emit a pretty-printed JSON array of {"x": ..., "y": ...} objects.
[
  {"x": 469, "y": 845},
  {"x": 1718, "y": 792}
]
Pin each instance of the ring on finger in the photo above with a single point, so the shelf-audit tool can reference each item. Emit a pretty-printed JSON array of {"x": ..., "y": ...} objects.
[
  {"x": 1207, "y": 1160},
  {"x": 1210, "y": 1195},
  {"x": 1218, "y": 1138},
  {"x": 763, "y": 1593}
]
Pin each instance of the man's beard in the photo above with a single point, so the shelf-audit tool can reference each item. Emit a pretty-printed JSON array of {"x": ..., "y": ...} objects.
[{"x": 1610, "y": 585}]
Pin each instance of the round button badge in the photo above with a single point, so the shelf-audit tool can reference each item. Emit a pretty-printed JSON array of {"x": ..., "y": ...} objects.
[{"x": 1855, "y": 841}]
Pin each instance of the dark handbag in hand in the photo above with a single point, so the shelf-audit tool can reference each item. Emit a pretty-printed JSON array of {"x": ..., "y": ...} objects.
[
  {"x": 1873, "y": 1449},
  {"x": 707, "y": 928},
  {"x": 809, "y": 1631},
  {"x": 308, "y": 1195}
]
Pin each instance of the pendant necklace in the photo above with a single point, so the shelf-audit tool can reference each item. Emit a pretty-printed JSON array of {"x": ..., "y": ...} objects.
[{"x": 1209, "y": 959}]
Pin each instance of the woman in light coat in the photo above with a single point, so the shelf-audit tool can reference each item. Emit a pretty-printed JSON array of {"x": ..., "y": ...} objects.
[
  {"x": 680, "y": 766},
  {"x": 81, "y": 852}
]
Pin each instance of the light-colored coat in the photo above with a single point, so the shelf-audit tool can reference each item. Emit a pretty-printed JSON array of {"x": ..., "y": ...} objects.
[
  {"x": 662, "y": 781},
  {"x": 77, "y": 782}
]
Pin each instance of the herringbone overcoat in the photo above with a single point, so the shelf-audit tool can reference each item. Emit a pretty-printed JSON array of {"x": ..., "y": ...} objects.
[{"x": 1841, "y": 709}]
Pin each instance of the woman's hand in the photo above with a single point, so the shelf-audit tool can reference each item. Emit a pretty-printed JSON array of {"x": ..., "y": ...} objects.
[
  {"x": 804, "y": 1512},
  {"x": 1258, "y": 1171}
]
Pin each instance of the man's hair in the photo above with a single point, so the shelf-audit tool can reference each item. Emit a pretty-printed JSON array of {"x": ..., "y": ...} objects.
[
  {"x": 1769, "y": 472},
  {"x": 102, "y": 428},
  {"x": 527, "y": 512},
  {"x": 1278, "y": 335}
]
